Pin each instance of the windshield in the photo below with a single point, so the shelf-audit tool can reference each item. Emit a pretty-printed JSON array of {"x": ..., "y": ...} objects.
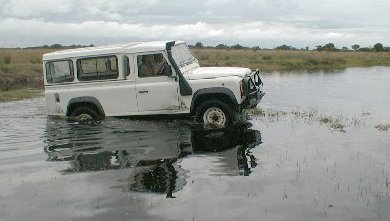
[{"x": 182, "y": 55}]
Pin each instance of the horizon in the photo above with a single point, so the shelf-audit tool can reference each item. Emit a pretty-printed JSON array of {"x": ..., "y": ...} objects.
[{"x": 292, "y": 47}]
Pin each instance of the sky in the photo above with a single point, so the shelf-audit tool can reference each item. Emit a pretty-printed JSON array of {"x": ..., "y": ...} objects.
[{"x": 263, "y": 23}]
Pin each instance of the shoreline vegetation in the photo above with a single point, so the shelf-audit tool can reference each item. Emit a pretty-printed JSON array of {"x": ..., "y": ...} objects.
[
  {"x": 271, "y": 61},
  {"x": 20, "y": 94},
  {"x": 21, "y": 69}
]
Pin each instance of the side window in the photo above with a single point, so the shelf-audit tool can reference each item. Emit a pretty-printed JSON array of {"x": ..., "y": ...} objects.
[
  {"x": 100, "y": 68},
  {"x": 59, "y": 71},
  {"x": 153, "y": 65}
]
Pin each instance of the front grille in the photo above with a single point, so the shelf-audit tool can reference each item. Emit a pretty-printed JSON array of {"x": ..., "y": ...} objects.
[
  {"x": 251, "y": 85},
  {"x": 256, "y": 78}
]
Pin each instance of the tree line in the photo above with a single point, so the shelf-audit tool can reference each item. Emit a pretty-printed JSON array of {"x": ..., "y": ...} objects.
[
  {"x": 59, "y": 46},
  {"x": 378, "y": 47}
]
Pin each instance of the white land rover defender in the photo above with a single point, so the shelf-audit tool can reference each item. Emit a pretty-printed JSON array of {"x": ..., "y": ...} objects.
[{"x": 146, "y": 78}]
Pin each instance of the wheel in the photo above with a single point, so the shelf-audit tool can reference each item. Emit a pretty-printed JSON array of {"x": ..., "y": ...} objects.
[
  {"x": 215, "y": 114},
  {"x": 85, "y": 113}
]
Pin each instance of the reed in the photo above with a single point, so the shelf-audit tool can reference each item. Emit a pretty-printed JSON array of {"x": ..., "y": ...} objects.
[
  {"x": 21, "y": 68},
  {"x": 20, "y": 94},
  {"x": 290, "y": 61}
]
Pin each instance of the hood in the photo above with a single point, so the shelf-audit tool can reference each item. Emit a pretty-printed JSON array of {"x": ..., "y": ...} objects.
[{"x": 215, "y": 72}]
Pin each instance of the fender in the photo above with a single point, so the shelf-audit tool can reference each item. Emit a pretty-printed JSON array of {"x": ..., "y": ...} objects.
[
  {"x": 214, "y": 90},
  {"x": 85, "y": 99}
]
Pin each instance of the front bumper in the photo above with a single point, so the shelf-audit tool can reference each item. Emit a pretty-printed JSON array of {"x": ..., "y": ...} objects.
[
  {"x": 252, "y": 100},
  {"x": 253, "y": 91}
]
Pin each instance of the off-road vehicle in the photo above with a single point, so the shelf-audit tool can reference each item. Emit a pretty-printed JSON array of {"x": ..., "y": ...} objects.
[{"x": 146, "y": 78}]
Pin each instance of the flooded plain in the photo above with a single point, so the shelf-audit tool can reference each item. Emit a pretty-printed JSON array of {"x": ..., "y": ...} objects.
[{"x": 316, "y": 148}]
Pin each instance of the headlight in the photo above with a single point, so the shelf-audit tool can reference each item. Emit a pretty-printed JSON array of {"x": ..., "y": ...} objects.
[{"x": 242, "y": 89}]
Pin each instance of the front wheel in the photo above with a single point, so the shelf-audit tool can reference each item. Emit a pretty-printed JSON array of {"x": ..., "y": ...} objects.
[
  {"x": 215, "y": 114},
  {"x": 85, "y": 113}
]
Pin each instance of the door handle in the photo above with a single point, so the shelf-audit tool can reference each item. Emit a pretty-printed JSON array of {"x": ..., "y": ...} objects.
[{"x": 143, "y": 91}]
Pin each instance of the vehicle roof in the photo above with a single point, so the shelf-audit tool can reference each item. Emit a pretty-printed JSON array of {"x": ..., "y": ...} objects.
[{"x": 130, "y": 47}]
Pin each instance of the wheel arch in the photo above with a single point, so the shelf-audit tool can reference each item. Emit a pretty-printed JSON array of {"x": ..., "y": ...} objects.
[
  {"x": 219, "y": 93},
  {"x": 87, "y": 101}
]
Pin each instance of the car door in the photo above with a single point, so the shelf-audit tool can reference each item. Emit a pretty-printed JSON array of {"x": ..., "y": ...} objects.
[{"x": 156, "y": 93}]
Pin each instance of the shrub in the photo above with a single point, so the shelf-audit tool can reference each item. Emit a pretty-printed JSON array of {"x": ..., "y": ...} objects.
[
  {"x": 267, "y": 57},
  {"x": 7, "y": 59}
]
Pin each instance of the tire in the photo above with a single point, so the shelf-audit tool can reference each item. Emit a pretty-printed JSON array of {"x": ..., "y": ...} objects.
[
  {"x": 215, "y": 114},
  {"x": 85, "y": 113}
]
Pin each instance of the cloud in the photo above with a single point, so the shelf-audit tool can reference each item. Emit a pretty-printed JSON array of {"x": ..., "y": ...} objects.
[
  {"x": 264, "y": 23},
  {"x": 264, "y": 34},
  {"x": 23, "y": 9}
]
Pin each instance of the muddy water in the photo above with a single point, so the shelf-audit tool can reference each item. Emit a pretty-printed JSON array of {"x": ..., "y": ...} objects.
[{"x": 289, "y": 163}]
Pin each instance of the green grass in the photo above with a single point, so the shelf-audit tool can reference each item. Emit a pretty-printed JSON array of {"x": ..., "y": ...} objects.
[
  {"x": 289, "y": 61},
  {"x": 383, "y": 127},
  {"x": 21, "y": 68},
  {"x": 334, "y": 121},
  {"x": 20, "y": 94}
]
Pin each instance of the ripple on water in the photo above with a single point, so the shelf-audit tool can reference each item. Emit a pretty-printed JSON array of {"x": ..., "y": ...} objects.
[{"x": 123, "y": 169}]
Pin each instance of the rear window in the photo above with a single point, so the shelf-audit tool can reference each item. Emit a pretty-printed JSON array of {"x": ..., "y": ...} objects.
[
  {"x": 99, "y": 68},
  {"x": 59, "y": 71}
]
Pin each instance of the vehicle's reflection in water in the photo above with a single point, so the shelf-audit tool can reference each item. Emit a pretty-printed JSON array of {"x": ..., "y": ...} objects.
[{"x": 148, "y": 149}]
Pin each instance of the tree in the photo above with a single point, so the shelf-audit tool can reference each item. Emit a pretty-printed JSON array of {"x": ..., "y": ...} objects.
[
  {"x": 222, "y": 46},
  {"x": 237, "y": 46},
  {"x": 327, "y": 47},
  {"x": 344, "y": 49},
  {"x": 365, "y": 49},
  {"x": 56, "y": 46},
  {"x": 379, "y": 47},
  {"x": 198, "y": 45},
  {"x": 285, "y": 47},
  {"x": 355, "y": 47}
]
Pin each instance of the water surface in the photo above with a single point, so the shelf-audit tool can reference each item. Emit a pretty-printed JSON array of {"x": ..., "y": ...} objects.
[{"x": 289, "y": 166}]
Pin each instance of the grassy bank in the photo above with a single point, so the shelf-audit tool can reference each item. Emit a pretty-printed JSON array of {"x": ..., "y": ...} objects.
[
  {"x": 287, "y": 61},
  {"x": 22, "y": 68},
  {"x": 19, "y": 94}
]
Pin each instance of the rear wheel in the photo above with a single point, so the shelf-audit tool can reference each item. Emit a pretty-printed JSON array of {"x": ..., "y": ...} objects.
[
  {"x": 85, "y": 113},
  {"x": 215, "y": 114}
]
